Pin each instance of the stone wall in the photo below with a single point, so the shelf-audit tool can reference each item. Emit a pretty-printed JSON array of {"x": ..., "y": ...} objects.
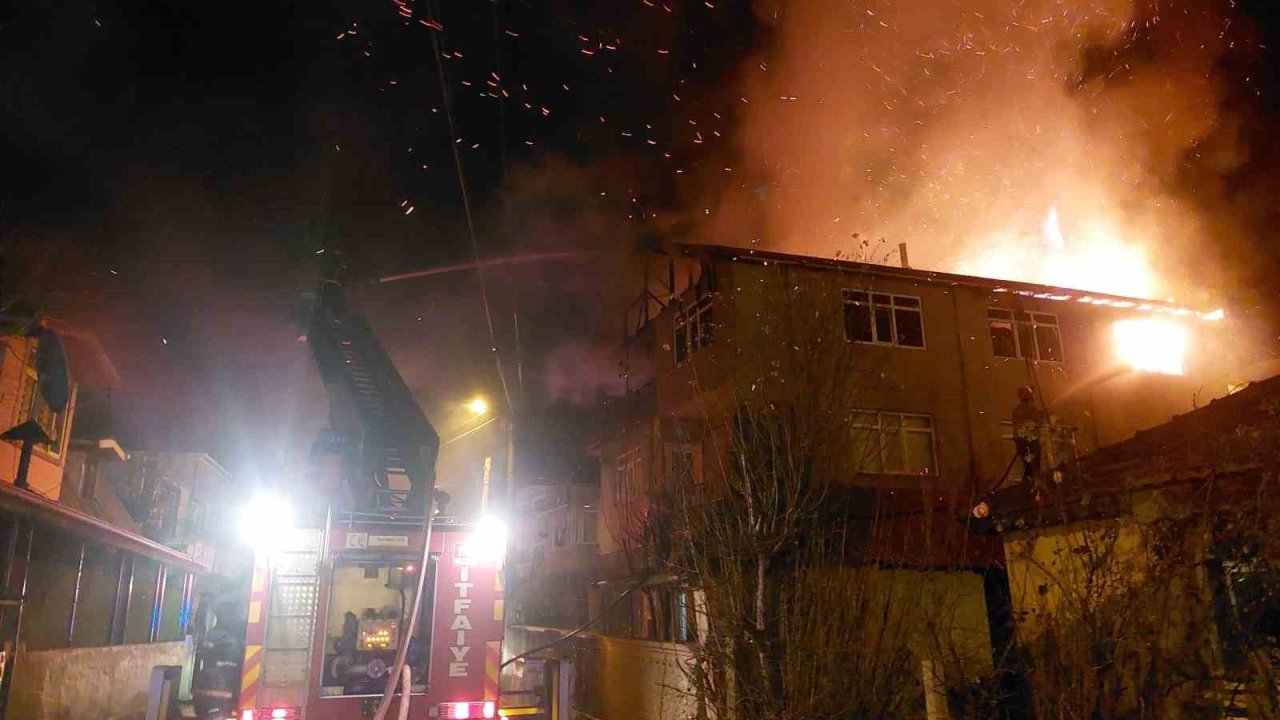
[{"x": 110, "y": 683}]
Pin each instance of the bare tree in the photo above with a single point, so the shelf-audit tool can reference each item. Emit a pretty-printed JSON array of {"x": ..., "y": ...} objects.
[
  {"x": 1154, "y": 604},
  {"x": 801, "y": 615}
]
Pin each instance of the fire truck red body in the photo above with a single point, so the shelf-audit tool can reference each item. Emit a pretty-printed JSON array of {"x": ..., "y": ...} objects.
[
  {"x": 327, "y": 614},
  {"x": 330, "y": 604}
]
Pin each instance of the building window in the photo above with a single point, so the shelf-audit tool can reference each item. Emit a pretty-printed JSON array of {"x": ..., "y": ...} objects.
[
  {"x": 693, "y": 327},
  {"x": 883, "y": 319},
  {"x": 894, "y": 443},
  {"x": 560, "y": 530},
  {"x": 32, "y": 405},
  {"x": 1061, "y": 447},
  {"x": 195, "y": 519},
  {"x": 589, "y": 529},
  {"x": 683, "y": 614},
  {"x": 88, "y": 479},
  {"x": 684, "y": 468},
  {"x": 1033, "y": 335},
  {"x": 626, "y": 478}
]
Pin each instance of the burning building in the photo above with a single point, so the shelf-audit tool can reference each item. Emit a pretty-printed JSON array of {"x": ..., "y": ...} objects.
[{"x": 897, "y": 385}]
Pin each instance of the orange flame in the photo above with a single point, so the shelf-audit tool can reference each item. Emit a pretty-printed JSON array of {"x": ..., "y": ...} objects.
[{"x": 1095, "y": 257}]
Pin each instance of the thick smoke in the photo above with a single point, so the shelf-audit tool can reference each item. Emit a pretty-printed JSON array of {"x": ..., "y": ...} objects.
[{"x": 956, "y": 126}]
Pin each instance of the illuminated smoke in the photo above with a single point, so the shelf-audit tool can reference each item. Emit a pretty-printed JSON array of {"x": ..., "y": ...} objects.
[{"x": 955, "y": 126}]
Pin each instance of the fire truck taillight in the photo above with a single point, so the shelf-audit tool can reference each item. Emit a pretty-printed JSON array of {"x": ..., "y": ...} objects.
[
  {"x": 466, "y": 710},
  {"x": 279, "y": 713}
]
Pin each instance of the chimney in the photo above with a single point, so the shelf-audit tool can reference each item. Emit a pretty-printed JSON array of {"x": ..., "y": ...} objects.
[{"x": 902, "y": 255}]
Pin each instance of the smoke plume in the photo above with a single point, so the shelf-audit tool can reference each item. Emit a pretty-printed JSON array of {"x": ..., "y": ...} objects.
[{"x": 957, "y": 126}]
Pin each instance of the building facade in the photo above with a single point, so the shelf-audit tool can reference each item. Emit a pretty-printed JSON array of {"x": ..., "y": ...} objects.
[{"x": 916, "y": 373}]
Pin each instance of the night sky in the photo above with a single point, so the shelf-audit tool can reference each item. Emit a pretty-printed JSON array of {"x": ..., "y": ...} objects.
[{"x": 170, "y": 171}]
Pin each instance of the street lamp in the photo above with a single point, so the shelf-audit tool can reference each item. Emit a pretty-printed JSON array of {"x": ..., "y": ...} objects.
[{"x": 478, "y": 406}]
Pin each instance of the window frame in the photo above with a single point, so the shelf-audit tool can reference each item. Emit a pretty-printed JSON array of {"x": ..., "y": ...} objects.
[
  {"x": 869, "y": 301},
  {"x": 673, "y": 451},
  {"x": 694, "y": 328},
  {"x": 902, "y": 431},
  {"x": 589, "y": 518},
  {"x": 31, "y": 404},
  {"x": 1034, "y": 323},
  {"x": 627, "y": 470}
]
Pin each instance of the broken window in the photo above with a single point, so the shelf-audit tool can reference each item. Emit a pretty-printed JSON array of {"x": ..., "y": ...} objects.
[
  {"x": 694, "y": 322},
  {"x": 894, "y": 443},
  {"x": 883, "y": 319},
  {"x": 1033, "y": 335}
]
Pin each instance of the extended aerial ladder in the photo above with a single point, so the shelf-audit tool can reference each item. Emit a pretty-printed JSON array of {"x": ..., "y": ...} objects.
[{"x": 389, "y": 447}]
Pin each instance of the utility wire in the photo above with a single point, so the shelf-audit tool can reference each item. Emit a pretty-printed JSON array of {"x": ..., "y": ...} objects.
[{"x": 454, "y": 140}]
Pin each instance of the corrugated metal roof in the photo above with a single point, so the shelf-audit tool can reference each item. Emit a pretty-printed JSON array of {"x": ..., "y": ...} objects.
[{"x": 88, "y": 361}]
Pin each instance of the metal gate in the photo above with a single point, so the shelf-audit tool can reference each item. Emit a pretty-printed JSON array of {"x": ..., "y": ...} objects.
[{"x": 291, "y": 617}]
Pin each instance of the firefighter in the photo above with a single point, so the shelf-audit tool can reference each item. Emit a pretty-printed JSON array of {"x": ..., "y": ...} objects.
[
  {"x": 218, "y": 661},
  {"x": 1027, "y": 420}
]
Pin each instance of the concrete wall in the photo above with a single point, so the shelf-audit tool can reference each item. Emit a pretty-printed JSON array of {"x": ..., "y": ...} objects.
[
  {"x": 110, "y": 683},
  {"x": 625, "y": 679}
]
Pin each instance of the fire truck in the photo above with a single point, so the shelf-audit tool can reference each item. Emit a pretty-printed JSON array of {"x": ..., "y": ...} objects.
[{"x": 331, "y": 601}]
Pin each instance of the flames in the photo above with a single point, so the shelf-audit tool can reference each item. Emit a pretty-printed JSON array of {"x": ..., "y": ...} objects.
[
  {"x": 1151, "y": 345},
  {"x": 1095, "y": 257}
]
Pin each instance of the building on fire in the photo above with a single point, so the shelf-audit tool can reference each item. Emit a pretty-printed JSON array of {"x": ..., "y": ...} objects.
[{"x": 934, "y": 363}]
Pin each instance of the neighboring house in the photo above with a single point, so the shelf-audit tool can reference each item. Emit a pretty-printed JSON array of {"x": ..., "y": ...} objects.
[
  {"x": 554, "y": 547},
  {"x": 90, "y": 605},
  {"x": 1157, "y": 559},
  {"x": 550, "y": 565},
  {"x": 185, "y": 500},
  {"x": 85, "y": 485},
  {"x": 939, "y": 359}
]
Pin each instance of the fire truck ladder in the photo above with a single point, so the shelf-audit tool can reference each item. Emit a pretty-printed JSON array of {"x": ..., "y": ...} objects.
[
  {"x": 397, "y": 445},
  {"x": 291, "y": 617}
]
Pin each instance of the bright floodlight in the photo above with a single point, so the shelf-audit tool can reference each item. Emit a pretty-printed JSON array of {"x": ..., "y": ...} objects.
[
  {"x": 1151, "y": 345},
  {"x": 489, "y": 540},
  {"x": 478, "y": 406},
  {"x": 265, "y": 522}
]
